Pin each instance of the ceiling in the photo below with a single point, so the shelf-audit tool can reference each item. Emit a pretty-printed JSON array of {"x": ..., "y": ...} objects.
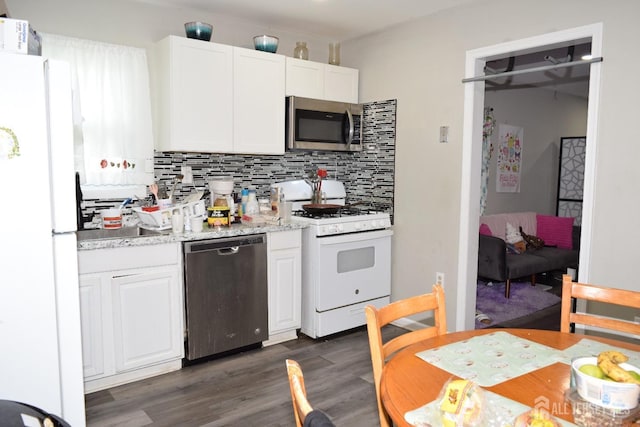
[
  {"x": 339, "y": 20},
  {"x": 571, "y": 80}
]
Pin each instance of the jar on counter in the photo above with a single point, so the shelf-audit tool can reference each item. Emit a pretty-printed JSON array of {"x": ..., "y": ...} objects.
[
  {"x": 264, "y": 206},
  {"x": 218, "y": 216}
]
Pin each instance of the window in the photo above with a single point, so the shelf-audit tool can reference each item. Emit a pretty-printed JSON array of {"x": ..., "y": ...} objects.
[{"x": 113, "y": 129}]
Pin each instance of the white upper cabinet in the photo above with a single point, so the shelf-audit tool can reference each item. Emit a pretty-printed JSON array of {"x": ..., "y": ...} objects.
[
  {"x": 194, "y": 82},
  {"x": 305, "y": 78},
  {"x": 258, "y": 102},
  {"x": 316, "y": 80},
  {"x": 341, "y": 84},
  {"x": 218, "y": 99}
]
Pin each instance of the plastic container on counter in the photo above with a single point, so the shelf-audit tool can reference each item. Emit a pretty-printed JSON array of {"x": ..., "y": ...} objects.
[
  {"x": 587, "y": 414},
  {"x": 252, "y": 207}
]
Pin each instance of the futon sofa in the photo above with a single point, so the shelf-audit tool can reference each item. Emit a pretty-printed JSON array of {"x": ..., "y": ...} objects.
[{"x": 501, "y": 262}]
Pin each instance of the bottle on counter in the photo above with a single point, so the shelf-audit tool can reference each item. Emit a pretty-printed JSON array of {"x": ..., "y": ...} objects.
[
  {"x": 252, "y": 206},
  {"x": 244, "y": 197}
]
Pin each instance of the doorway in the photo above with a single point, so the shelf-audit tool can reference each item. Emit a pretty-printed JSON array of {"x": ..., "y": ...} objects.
[{"x": 472, "y": 147}]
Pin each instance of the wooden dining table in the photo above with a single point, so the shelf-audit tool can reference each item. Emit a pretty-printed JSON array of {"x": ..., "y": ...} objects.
[{"x": 409, "y": 382}]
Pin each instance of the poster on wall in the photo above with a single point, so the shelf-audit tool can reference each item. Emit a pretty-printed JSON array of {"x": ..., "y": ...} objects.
[{"x": 509, "y": 159}]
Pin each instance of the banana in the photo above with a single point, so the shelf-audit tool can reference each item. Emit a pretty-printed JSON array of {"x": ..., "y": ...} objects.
[{"x": 608, "y": 362}]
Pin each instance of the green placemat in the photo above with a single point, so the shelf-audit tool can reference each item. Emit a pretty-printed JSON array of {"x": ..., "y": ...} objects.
[
  {"x": 505, "y": 411},
  {"x": 587, "y": 347},
  {"x": 491, "y": 359}
]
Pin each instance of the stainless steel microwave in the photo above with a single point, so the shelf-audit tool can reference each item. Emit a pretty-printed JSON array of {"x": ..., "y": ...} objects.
[{"x": 317, "y": 125}]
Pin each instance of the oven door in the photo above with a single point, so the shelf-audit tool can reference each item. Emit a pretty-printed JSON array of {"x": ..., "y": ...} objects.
[{"x": 353, "y": 268}]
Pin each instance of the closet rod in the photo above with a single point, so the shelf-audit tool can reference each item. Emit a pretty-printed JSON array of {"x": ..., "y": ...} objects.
[{"x": 533, "y": 70}]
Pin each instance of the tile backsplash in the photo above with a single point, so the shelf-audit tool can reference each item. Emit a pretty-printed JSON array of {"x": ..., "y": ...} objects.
[{"x": 368, "y": 175}]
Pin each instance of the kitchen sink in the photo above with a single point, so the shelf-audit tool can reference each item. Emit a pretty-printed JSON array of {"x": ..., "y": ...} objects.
[{"x": 118, "y": 233}]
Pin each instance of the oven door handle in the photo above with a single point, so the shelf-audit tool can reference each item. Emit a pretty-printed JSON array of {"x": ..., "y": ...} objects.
[{"x": 354, "y": 237}]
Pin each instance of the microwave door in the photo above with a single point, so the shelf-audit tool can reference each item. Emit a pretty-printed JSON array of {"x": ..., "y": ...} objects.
[{"x": 318, "y": 126}]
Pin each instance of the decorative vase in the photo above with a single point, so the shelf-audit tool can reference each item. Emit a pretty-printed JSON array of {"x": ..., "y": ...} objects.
[
  {"x": 334, "y": 53},
  {"x": 316, "y": 197},
  {"x": 301, "y": 51}
]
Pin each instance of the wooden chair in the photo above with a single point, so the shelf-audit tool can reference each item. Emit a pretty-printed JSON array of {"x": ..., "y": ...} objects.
[
  {"x": 382, "y": 352},
  {"x": 301, "y": 406},
  {"x": 573, "y": 290}
]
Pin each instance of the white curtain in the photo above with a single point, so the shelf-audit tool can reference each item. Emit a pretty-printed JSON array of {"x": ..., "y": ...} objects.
[
  {"x": 112, "y": 93},
  {"x": 487, "y": 150}
]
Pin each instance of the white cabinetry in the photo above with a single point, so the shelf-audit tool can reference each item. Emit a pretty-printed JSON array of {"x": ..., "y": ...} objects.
[
  {"x": 131, "y": 306},
  {"x": 285, "y": 280},
  {"x": 258, "y": 102},
  {"x": 321, "y": 81},
  {"x": 194, "y": 97},
  {"x": 91, "y": 324},
  {"x": 217, "y": 98}
]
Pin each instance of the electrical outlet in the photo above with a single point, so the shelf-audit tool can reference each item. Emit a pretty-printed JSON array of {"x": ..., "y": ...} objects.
[{"x": 440, "y": 279}]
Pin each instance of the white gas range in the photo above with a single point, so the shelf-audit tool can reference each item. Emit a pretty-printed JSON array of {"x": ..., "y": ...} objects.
[{"x": 346, "y": 259}]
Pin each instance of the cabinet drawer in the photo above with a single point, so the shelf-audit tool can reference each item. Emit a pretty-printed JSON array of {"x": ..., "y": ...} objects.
[
  {"x": 99, "y": 260},
  {"x": 284, "y": 239}
]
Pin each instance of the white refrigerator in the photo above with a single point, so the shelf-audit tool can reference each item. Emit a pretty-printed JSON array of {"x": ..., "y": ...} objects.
[{"x": 40, "y": 341}]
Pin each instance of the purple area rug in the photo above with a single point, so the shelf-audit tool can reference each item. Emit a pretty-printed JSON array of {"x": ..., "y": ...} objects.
[{"x": 524, "y": 300}]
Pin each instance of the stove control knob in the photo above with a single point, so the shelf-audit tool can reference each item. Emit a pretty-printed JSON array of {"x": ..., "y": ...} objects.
[
  {"x": 365, "y": 225},
  {"x": 339, "y": 228},
  {"x": 357, "y": 226}
]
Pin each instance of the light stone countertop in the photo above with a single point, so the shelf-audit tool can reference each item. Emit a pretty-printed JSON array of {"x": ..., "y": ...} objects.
[{"x": 206, "y": 233}]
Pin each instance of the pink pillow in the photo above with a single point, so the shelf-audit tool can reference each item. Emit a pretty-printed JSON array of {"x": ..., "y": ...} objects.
[
  {"x": 485, "y": 230},
  {"x": 555, "y": 230}
]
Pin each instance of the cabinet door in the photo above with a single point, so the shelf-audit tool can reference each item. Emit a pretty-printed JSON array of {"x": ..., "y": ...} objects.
[
  {"x": 146, "y": 311},
  {"x": 341, "y": 84},
  {"x": 91, "y": 325},
  {"x": 197, "y": 105},
  {"x": 284, "y": 290},
  {"x": 285, "y": 279},
  {"x": 304, "y": 78},
  {"x": 259, "y": 104}
]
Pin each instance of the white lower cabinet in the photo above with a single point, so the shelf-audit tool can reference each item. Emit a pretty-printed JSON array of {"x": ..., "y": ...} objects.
[
  {"x": 131, "y": 313},
  {"x": 284, "y": 284},
  {"x": 91, "y": 323}
]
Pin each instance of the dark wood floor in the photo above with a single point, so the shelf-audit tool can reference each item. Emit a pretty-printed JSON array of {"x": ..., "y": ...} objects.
[{"x": 251, "y": 388}]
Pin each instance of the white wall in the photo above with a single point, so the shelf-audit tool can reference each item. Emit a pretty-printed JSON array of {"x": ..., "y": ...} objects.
[
  {"x": 142, "y": 24},
  {"x": 545, "y": 116},
  {"x": 422, "y": 64}
]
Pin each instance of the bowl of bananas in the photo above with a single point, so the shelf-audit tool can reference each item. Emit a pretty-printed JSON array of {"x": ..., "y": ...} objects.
[{"x": 607, "y": 380}]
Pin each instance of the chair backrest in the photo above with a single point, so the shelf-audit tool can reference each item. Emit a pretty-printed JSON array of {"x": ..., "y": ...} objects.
[
  {"x": 301, "y": 406},
  {"x": 379, "y": 317},
  {"x": 622, "y": 297}
]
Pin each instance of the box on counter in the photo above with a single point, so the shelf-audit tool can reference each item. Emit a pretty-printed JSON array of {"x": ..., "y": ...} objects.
[{"x": 17, "y": 36}]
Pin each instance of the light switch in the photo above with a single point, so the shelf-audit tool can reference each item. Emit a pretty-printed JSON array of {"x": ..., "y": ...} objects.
[{"x": 444, "y": 134}]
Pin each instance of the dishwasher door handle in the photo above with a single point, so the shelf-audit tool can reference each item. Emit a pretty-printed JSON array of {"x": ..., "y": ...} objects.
[{"x": 229, "y": 251}]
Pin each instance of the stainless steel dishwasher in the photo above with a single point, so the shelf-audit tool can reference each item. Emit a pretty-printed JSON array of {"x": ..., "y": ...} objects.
[{"x": 225, "y": 294}]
